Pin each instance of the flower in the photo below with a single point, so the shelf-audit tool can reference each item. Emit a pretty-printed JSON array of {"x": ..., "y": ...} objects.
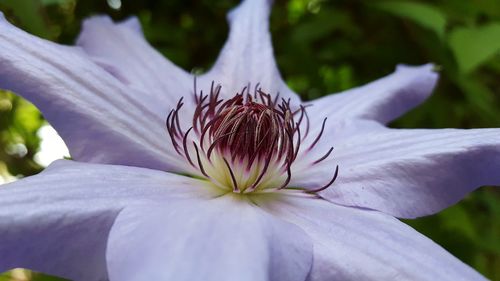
[{"x": 259, "y": 203}]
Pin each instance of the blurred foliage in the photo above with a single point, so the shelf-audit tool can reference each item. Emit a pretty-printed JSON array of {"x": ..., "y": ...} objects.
[
  {"x": 19, "y": 122},
  {"x": 321, "y": 47},
  {"x": 25, "y": 275}
]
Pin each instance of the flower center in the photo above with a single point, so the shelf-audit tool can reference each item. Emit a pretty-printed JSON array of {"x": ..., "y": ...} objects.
[
  {"x": 250, "y": 131},
  {"x": 244, "y": 144}
]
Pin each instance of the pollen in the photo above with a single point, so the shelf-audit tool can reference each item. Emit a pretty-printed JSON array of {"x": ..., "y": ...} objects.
[{"x": 244, "y": 144}]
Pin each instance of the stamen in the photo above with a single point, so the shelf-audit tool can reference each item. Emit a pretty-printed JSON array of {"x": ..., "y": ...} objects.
[
  {"x": 257, "y": 88},
  {"x": 184, "y": 144},
  {"x": 195, "y": 92},
  {"x": 336, "y": 173},
  {"x": 296, "y": 152},
  {"x": 276, "y": 99},
  {"x": 319, "y": 135},
  {"x": 198, "y": 111},
  {"x": 307, "y": 120},
  {"x": 324, "y": 156},
  {"x": 264, "y": 170},
  {"x": 199, "y": 161},
  {"x": 288, "y": 177},
  {"x": 171, "y": 133},
  {"x": 235, "y": 183},
  {"x": 255, "y": 136},
  {"x": 176, "y": 116}
]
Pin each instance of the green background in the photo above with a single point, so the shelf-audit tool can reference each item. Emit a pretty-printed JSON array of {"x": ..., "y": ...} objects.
[{"x": 321, "y": 47}]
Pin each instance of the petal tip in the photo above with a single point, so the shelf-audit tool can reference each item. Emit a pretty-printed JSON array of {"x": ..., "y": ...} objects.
[
  {"x": 426, "y": 71},
  {"x": 96, "y": 21},
  {"x": 133, "y": 23},
  {"x": 263, "y": 5}
]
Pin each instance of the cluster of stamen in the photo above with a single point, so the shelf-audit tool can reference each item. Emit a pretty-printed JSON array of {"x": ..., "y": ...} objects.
[{"x": 244, "y": 144}]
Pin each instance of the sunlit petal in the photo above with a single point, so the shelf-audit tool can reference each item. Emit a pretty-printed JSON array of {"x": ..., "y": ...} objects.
[
  {"x": 382, "y": 100},
  {"x": 222, "y": 239},
  {"x": 247, "y": 57},
  {"x": 100, "y": 119},
  {"x": 58, "y": 222},
  {"x": 122, "y": 49},
  {"x": 357, "y": 244},
  {"x": 408, "y": 173}
]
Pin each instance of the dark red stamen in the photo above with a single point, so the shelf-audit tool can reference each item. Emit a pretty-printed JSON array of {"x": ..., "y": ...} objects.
[
  {"x": 324, "y": 156},
  {"x": 184, "y": 144},
  {"x": 248, "y": 128},
  {"x": 235, "y": 183},
  {"x": 200, "y": 164},
  {"x": 319, "y": 135},
  {"x": 335, "y": 175}
]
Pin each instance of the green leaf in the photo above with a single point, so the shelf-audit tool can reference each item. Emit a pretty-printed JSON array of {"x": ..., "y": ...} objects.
[
  {"x": 5, "y": 276},
  {"x": 473, "y": 46},
  {"x": 55, "y": 2},
  {"x": 44, "y": 277},
  {"x": 457, "y": 219},
  {"x": 425, "y": 15},
  {"x": 29, "y": 15},
  {"x": 480, "y": 97}
]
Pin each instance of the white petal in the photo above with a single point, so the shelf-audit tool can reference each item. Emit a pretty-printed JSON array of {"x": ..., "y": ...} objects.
[
  {"x": 58, "y": 222},
  {"x": 407, "y": 173},
  {"x": 356, "y": 244},
  {"x": 382, "y": 100},
  {"x": 247, "y": 56},
  {"x": 100, "y": 119},
  {"x": 122, "y": 49},
  {"x": 221, "y": 239}
]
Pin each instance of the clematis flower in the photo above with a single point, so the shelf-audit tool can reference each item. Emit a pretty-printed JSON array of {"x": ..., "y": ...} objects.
[{"x": 243, "y": 181}]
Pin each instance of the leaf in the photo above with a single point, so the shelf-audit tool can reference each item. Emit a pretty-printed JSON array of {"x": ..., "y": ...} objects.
[
  {"x": 457, "y": 219},
  {"x": 479, "y": 96},
  {"x": 321, "y": 26},
  {"x": 30, "y": 16},
  {"x": 5, "y": 276},
  {"x": 45, "y": 277},
  {"x": 55, "y": 2},
  {"x": 425, "y": 15},
  {"x": 473, "y": 46}
]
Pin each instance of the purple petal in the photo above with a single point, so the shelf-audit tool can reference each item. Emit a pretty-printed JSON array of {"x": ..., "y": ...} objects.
[
  {"x": 247, "y": 56},
  {"x": 355, "y": 244},
  {"x": 133, "y": 24},
  {"x": 335, "y": 131},
  {"x": 123, "y": 51},
  {"x": 100, "y": 119},
  {"x": 382, "y": 100},
  {"x": 58, "y": 222},
  {"x": 407, "y": 173},
  {"x": 222, "y": 239}
]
